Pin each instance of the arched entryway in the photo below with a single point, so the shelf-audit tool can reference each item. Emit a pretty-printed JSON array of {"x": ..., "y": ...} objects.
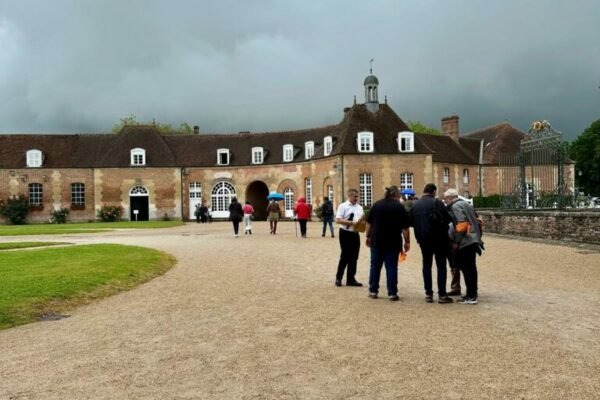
[
  {"x": 138, "y": 204},
  {"x": 256, "y": 194}
]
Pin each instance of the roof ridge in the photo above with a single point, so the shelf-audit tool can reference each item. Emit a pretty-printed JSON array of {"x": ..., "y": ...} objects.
[{"x": 486, "y": 128}]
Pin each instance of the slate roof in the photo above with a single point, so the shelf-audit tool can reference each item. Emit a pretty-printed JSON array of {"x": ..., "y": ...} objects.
[
  {"x": 498, "y": 139},
  {"x": 200, "y": 150}
]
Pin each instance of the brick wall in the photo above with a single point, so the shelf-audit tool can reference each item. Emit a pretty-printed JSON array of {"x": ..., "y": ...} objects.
[{"x": 570, "y": 226}]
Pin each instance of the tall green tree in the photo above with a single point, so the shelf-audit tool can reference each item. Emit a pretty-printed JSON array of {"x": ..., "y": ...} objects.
[
  {"x": 585, "y": 151},
  {"x": 184, "y": 128},
  {"x": 419, "y": 127}
]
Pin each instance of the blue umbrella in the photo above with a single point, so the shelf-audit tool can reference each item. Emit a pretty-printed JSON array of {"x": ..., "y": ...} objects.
[
  {"x": 409, "y": 192},
  {"x": 275, "y": 196}
]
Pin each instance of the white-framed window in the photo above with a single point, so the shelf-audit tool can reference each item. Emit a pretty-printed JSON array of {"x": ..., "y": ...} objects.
[
  {"x": 138, "y": 156},
  {"x": 288, "y": 152},
  {"x": 406, "y": 142},
  {"x": 78, "y": 194},
  {"x": 288, "y": 195},
  {"x": 465, "y": 176},
  {"x": 195, "y": 190},
  {"x": 34, "y": 158},
  {"x": 257, "y": 155},
  {"x": 223, "y": 156},
  {"x": 366, "y": 189},
  {"x": 406, "y": 180},
  {"x": 330, "y": 192},
  {"x": 309, "y": 149},
  {"x": 36, "y": 194},
  {"x": 446, "y": 177},
  {"x": 365, "y": 142},
  {"x": 327, "y": 145},
  {"x": 308, "y": 186},
  {"x": 221, "y": 196}
]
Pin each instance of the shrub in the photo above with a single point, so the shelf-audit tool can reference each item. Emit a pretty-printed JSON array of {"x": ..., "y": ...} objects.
[
  {"x": 59, "y": 216},
  {"x": 110, "y": 213},
  {"x": 15, "y": 209},
  {"x": 493, "y": 201}
]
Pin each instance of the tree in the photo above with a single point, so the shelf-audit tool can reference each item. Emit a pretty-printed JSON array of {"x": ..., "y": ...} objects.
[
  {"x": 419, "y": 127},
  {"x": 184, "y": 128},
  {"x": 585, "y": 151}
]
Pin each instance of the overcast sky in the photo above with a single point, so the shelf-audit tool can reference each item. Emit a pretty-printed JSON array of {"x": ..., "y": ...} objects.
[{"x": 228, "y": 66}]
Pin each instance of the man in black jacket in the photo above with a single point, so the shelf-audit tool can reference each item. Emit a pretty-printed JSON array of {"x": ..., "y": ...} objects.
[{"x": 430, "y": 220}]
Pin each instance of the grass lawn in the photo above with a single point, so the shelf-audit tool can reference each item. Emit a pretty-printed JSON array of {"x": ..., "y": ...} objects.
[
  {"x": 52, "y": 280},
  {"x": 86, "y": 227},
  {"x": 23, "y": 245}
]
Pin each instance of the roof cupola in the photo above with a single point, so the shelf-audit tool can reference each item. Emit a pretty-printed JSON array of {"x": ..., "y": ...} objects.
[{"x": 371, "y": 83}]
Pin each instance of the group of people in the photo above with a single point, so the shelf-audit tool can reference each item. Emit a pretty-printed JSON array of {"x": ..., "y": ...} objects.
[
  {"x": 448, "y": 230},
  {"x": 202, "y": 213},
  {"x": 239, "y": 213}
]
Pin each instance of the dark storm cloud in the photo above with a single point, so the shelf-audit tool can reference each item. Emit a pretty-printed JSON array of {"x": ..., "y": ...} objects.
[{"x": 72, "y": 66}]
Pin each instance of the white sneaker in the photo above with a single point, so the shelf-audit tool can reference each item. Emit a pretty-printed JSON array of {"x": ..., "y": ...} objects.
[{"x": 235, "y": 235}]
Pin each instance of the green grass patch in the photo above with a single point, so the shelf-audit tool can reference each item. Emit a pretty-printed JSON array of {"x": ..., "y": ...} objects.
[
  {"x": 53, "y": 280},
  {"x": 24, "y": 245},
  {"x": 91, "y": 227}
]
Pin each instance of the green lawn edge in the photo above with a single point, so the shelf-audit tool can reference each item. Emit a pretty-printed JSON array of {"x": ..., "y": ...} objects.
[
  {"x": 85, "y": 227},
  {"x": 25, "y": 245},
  {"x": 51, "y": 281}
]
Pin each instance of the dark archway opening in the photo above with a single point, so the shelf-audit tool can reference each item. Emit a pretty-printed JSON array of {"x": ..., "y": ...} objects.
[
  {"x": 256, "y": 194},
  {"x": 139, "y": 203}
]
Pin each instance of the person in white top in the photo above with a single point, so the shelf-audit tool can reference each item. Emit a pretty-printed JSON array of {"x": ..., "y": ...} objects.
[{"x": 347, "y": 216}]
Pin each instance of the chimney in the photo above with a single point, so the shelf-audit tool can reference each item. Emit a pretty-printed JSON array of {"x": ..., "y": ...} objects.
[
  {"x": 450, "y": 127},
  {"x": 196, "y": 130}
]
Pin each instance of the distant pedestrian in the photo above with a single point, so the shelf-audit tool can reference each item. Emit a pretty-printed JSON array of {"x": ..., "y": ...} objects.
[
  {"x": 327, "y": 215},
  {"x": 430, "y": 220},
  {"x": 466, "y": 242},
  {"x": 209, "y": 214},
  {"x": 203, "y": 213},
  {"x": 387, "y": 225},
  {"x": 347, "y": 216},
  {"x": 236, "y": 214},
  {"x": 302, "y": 212},
  {"x": 273, "y": 215},
  {"x": 197, "y": 212},
  {"x": 248, "y": 215}
]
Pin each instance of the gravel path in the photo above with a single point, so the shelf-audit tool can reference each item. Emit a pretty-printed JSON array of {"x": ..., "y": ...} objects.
[{"x": 258, "y": 317}]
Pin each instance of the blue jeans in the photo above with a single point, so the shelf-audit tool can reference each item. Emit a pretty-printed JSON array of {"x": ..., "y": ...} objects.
[
  {"x": 378, "y": 257},
  {"x": 328, "y": 221}
]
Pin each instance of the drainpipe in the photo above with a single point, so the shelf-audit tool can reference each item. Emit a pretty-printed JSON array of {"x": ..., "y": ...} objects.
[
  {"x": 481, "y": 168},
  {"x": 181, "y": 175},
  {"x": 343, "y": 194}
]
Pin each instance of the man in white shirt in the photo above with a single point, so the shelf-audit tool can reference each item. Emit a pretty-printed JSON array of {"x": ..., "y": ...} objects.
[{"x": 347, "y": 216}]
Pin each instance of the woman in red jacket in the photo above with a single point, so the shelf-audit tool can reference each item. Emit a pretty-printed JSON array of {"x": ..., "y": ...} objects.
[{"x": 302, "y": 212}]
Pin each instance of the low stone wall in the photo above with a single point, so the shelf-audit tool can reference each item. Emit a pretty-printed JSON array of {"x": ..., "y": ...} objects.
[{"x": 568, "y": 225}]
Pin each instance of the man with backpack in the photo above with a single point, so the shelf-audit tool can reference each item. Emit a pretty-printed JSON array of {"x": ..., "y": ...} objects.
[
  {"x": 327, "y": 215},
  {"x": 430, "y": 220}
]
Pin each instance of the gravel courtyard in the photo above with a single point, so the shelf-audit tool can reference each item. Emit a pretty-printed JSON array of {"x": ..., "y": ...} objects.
[{"x": 258, "y": 317}]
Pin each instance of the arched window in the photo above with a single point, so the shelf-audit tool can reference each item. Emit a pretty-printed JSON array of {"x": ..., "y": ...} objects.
[
  {"x": 221, "y": 196},
  {"x": 138, "y": 156},
  {"x": 288, "y": 194},
  {"x": 34, "y": 158},
  {"x": 137, "y": 191}
]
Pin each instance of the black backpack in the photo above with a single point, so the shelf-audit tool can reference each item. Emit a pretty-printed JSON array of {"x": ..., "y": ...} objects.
[
  {"x": 327, "y": 209},
  {"x": 438, "y": 221}
]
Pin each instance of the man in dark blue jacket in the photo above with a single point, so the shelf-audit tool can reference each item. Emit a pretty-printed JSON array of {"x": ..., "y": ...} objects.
[{"x": 430, "y": 221}]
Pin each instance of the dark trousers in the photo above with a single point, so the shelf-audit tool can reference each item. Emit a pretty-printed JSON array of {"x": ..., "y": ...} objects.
[
  {"x": 466, "y": 261},
  {"x": 302, "y": 223},
  {"x": 236, "y": 226},
  {"x": 328, "y": 221},
  {"x": 428, "y": 251},
  {"x": 350, "y": 245},
  {"x": 378, "y": 257},
  {"x": 455, "y": 272}
]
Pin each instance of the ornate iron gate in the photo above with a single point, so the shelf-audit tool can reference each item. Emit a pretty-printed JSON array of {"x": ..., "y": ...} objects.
[{"x": 535, "y": 176}]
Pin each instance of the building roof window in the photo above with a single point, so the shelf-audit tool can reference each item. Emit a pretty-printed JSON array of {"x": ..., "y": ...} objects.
[
  {"x": 223, "y": 156},
  {"x": 365, "y": 142},
  {"x": 309, "y": 149},
  {"x": 328, "y": 145},
  {"x": 34, "y": 158},
  {"x": 138, "y": 156},
  {"x": 288, "y": 152},
  {"x": 257, "y": 155},
  {"x": 406, "y": 142}
]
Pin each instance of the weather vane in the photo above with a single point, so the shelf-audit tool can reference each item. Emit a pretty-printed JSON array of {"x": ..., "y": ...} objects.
[{"x": 371, "y": 65}]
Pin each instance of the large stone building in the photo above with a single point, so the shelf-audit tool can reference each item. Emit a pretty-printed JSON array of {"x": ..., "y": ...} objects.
[{"x": 166, "y": 175}]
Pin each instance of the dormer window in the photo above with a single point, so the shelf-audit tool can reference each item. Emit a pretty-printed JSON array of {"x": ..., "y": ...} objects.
[
  {"x": 365, "y": 142},
  {"x": 328, "y": 145},
  {"x": 138, "y": 156},
  {"x": 288, "y": 152},
  {"x": 406, "y": 142},
  {"x": 257, "y": 155},
  {"x": 34, "y": 158},
  {"x": 309, "y": 149},
  {"x": 223, "y": 156}
]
